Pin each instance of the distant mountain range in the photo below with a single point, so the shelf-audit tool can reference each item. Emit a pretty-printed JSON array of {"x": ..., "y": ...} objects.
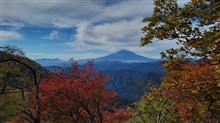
[
  {"x": 123, "y": 56},
  {"x": 51, "y": 62},
  {"x": 129, "y": 73}
]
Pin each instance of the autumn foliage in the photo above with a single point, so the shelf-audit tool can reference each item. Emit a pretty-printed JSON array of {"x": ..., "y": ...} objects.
[
  {"x": 192, "y": 78},
  {"x": 195, "y": 88},
  {"x": 80, "y": 96}
]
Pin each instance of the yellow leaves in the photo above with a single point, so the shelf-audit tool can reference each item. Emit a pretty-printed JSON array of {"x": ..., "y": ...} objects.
[
  {"x": 167, "y": 64},
  {"x": 194, "y": 91},
  {"x": 197, "y": 1}
]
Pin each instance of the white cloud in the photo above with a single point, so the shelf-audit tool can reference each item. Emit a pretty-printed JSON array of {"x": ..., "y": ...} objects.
[
  {"x": 113, "y": 36},
  {"x": 53, "y": 35},
  {"x": 99, "y": 26},
  {"x": 110, "y": 35},
  {"x": 37, "y": 55},
  {"x": 9, "y": 35},
  {"x": 48, "y": 12},
  {"x": 126, "y": 9},
  {"x": 67, "y": 13}
]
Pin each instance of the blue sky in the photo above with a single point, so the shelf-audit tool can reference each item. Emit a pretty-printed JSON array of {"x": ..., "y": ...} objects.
[{"x": 77, "y": 28}]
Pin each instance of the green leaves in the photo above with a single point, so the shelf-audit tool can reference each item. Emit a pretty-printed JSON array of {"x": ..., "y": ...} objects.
[
  {"x": 12, "y": 50},
  {"x": 195, "y": 26},
  {"x": 154, "y": 107},
  {"x": 192, "y": 70}
]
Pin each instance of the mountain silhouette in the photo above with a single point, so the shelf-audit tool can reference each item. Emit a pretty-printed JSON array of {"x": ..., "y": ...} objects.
[{"x": 124, "y": 56}]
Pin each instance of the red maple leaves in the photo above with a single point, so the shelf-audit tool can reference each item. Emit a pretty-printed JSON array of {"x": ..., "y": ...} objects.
[{"x": 80, "y": 96}]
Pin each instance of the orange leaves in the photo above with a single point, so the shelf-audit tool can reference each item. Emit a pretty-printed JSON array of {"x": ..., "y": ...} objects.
[
  {"x": 18, "y": 119},
  {"x": 193, "y": 87},
  {"x": 191, "y": 78},
  {"x": 190, "y": 110},
  {"x": 193, "y": 69},
  {"x": 118, "y": 116}
]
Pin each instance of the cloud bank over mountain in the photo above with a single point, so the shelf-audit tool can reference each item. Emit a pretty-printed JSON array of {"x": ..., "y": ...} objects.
[{"x": 78, "y": 26}]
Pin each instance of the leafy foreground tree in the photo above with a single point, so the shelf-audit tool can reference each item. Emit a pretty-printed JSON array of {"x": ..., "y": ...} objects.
[
  {"x": 154, "y": 107},
  {"x": 18, "y": 74},
  {"x": 79, "y": 97},
  {"x": 193, "y": 69},
  {"x": 195, "y": 88}
]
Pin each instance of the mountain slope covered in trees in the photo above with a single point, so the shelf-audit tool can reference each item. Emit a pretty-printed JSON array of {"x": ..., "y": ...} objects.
[
  {"x": 16, "y": 80},
  {"x": 129, "y": 73}
]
